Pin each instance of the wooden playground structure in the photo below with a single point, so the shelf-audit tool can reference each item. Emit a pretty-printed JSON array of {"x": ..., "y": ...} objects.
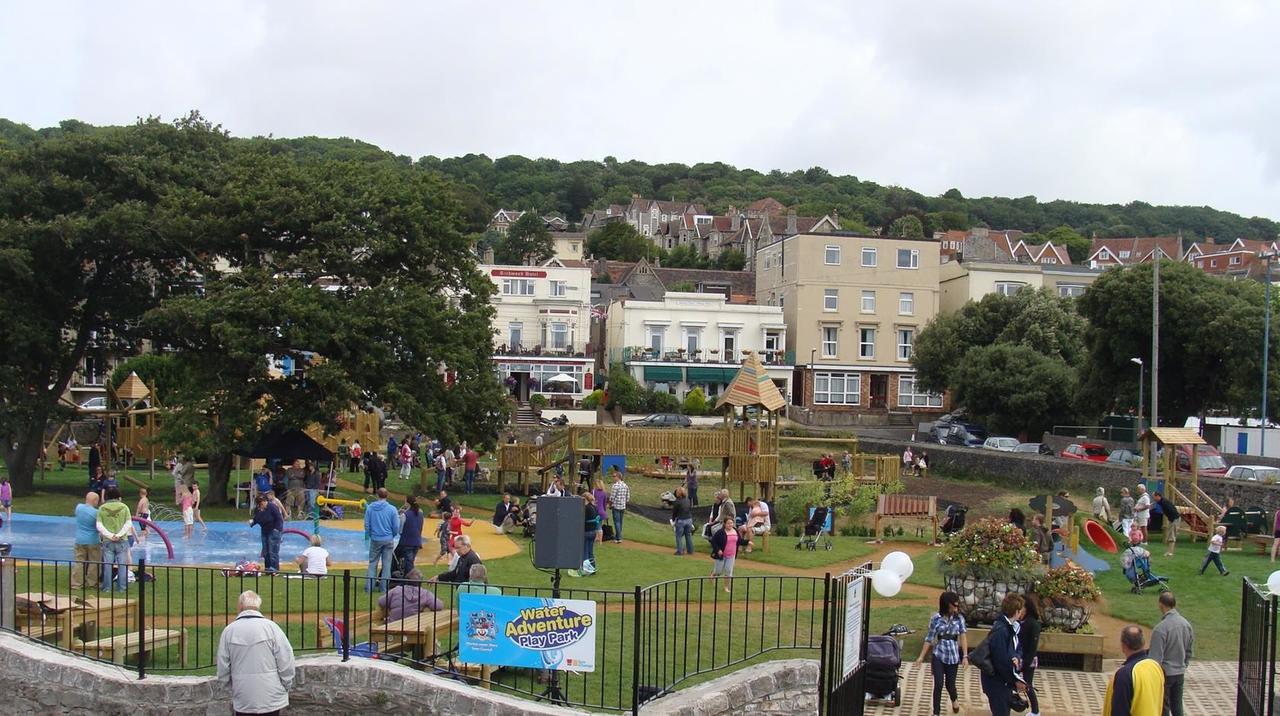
[
  {"x": 1199, "y": 512},
  {"x": 745, "y": 446}
]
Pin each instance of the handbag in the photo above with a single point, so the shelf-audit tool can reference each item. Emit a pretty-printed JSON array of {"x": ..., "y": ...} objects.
[
  {"x": 608, "y": 531},
  {"x": 706, "y": 532},
  {"x": 980, "y": 656}
]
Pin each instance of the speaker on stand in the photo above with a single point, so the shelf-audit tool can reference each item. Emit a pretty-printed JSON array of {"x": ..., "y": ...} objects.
[{"x": 557, "y": 545}]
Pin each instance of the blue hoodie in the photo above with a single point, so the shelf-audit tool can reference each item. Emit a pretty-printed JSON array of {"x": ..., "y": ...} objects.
[{"x": 381, "y": 521}]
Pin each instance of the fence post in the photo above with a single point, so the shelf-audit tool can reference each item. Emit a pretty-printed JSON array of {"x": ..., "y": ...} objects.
[
  {"x": 635, "y": 655},
  {"x": 1271, "y": 658},
  {"x": 142, "y": 617},
  {"x": 346, "y": 614},
  {"x": 822, "y": 645}
]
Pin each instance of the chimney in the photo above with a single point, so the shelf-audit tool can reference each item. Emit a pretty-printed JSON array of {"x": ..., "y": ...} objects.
[
  {"x": 736, "y": 222},
  {"x": 488, "y": 256},
  {"x": 791, "y": 222},
  {"x": 835, "y": 217}
]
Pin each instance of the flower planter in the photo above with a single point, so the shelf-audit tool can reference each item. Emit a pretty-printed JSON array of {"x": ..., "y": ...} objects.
[
  {"x": 1067, "y": 616},
  {"x": 980, "y": 597}
]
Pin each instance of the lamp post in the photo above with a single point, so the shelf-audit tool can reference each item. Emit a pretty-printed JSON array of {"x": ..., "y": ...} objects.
[
  {"x": 1266, "y": 350},
  {"x": 1142, "y": 378}
]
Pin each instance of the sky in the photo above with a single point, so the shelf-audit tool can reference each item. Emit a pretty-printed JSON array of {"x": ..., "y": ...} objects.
[{"x": 1165, "y": 102}]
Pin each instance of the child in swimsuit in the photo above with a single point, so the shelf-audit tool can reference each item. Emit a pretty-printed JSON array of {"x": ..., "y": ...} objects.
[{"x": 143, "y": 511}]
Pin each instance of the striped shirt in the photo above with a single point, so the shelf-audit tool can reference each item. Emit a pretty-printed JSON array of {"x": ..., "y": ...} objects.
[
  {"x": 619, "y": 494},
  {"x": 944, "y": 634}
]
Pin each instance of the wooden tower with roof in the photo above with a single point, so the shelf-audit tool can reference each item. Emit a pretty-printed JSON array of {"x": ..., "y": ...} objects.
[
  {"x": 1198, "y": 510},
  {"x": 754, "y": 404}
]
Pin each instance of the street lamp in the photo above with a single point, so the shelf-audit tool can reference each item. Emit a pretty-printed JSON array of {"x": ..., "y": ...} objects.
[
  {"x": 1266, "y": 350},
  {"x": 1142, "y": 378}
]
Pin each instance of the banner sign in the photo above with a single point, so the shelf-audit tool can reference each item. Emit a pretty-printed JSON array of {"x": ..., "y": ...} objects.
[
  {"x": 855, "y": 592},
  {"x": 530, "y": 632},
  {"x": 519, "y": 273}
]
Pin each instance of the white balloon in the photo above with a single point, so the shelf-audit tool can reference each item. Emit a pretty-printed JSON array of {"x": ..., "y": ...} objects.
[
  {"x": 899, "y": 563},
  {"x": 885, "y": 583},
  {"x": 1273, "y": 582}
]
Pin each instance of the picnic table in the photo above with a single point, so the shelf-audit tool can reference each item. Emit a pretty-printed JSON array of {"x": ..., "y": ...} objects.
[
  {"x": 69, "y": 613},
  {"x": 415, "y": 631}
]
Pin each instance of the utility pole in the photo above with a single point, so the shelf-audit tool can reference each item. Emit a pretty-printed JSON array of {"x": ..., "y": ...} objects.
[
  {"x": 1266, "y": 350},
  {"x": 1155, "y": 342}
]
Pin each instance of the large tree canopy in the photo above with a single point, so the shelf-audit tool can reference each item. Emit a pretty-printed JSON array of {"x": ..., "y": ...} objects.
[{"x": 527, "y": 241}]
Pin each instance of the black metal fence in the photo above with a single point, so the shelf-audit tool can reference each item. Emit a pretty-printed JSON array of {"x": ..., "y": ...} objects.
[
  {"x": 649, "y": 641},
  {"x": 1256, "y": 676},
  {"x": 842, "y": 667}
]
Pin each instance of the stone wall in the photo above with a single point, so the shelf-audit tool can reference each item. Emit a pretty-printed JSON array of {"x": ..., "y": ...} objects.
[
  {"x": 39, "y": 679},
  {"x": 777, "y": 687}
]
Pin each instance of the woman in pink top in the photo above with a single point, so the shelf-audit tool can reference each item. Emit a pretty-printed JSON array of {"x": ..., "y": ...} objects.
[
  {"x": 1275, "y": 532},
  {"x": 724, "y": 550},
  {"x": 6, "y": 499}
]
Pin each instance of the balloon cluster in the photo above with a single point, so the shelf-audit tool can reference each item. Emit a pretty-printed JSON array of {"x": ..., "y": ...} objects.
[
  {"x": 1273, "y": 582},
  {"x": 895, "y": 568}
]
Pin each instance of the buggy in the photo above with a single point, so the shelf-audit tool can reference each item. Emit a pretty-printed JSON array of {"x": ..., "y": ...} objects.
[
  {"x": 529, "y": 517},
  {"x": 1137, "y": 569},
  {"x": 955, "y": 519},
  {"x": 884, "y": 657},
  {"x": 816, "y": 529}
]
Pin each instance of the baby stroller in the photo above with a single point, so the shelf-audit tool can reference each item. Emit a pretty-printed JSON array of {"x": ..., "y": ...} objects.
[
  {"x": 529, "y": 517},
  {"x": 816, "y": 529},
  {"x": 955, "y": 519},
  {"x": 1137, "y": 569},
  {"x": 884, "y": 657}
]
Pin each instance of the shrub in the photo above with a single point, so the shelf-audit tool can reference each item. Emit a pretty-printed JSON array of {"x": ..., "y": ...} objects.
[
  {"x": 625, "y": 392},
  {"x": 592, "y": 401},
  {"x": 662, "y": 402},
  {"x": 990, "y": 548},
  {"x": 849, "y": 497},
  {"x": 538, "y": 400},
  {"x": 695, "y": 402},
  {"x": 1068, "y": 583}
]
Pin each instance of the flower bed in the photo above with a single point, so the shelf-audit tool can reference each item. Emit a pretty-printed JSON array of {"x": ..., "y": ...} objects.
[
  {"x": 986, "y": 561},
  {"x": 1067, "y": 595}
]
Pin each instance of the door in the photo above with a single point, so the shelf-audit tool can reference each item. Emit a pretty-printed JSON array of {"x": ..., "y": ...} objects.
[{"x": 879, "y": 391}]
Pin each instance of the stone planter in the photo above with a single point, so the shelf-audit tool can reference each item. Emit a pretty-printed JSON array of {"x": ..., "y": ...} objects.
[
  {"x": 1067, "y": 616},
  {"x": 980, "y": 598}
]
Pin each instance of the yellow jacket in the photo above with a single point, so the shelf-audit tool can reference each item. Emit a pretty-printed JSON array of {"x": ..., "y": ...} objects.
[{"x": 1137, "y": 689}]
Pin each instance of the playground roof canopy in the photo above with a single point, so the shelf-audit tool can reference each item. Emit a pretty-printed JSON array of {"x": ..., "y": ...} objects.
[
  {"x": 752, "y": 386},
  {"x": 288, "y": 445},
  {"x": 133, "y": 389},
  {"x": 1174, "y": 436}
]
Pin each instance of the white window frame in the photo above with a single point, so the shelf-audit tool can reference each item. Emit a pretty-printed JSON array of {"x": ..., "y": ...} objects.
[
  {"x": 906, "y": 347},
  {"x": 772, "y": 341},
  {"x": 660, "y": 333},
  {"x": 837, "y": 388},
  {"x": 1070, "y": 290},
  {"x": 517, "y": 287},
  {"x": 913, "y": 258},
  {"x": 692, "y": 340},
  {"x": 1235, "y": 260},
  {"x": 559, "y": 328},
  {"x": 827, "y": 255},
  {"x": 906, "y": 303},
  {"x": 830, "y": 339},
  {"x": 830, "y": 299},
  {"x": 1124, "y": 254},
  {"x": 909, "y": 398},
  {"x": 868, "y": 304},
  {"x": 1009, "y": 288},
  {"x": 94, "y": 370},
  {"x": 559, "y": 289},
  {"x": 866, "y": 348},
  {"x": 515, "y": 329},
  {"x": 869, "y": 251}
]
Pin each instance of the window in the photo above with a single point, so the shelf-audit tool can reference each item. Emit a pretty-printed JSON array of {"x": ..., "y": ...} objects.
[
  {"x": 909, "y": 398},
  {"x": 1235, "y": 260},
  {"x": 905, "y": 338},
  {"x": 866, "y": 343},
  {"x": 868, "y": 301},
  {"x": 655, "y": 339},
  {"x": 772, "y": 342},
  {"x": 831, "y": 256},
  {"x": 908, "y": 258},
  {"x": 906, "y": 303},
  {"x": 94, "y": 368},
  {"x": 1070, "y": 290},
  {"x": 559, "y": 288},
  {"x": 869, "y": 257},
  {"x": 1008, "y": 288},
  {"x": 1213, "y": 263},
  {"x": 559, "y": 336},
  {"x": 1124, "y": 254},
  {"x": 729, "y": 346},
  {"x": 1049, "y": 260},
  {"x": 830, "y": 341},
  {"x": 515, "y": 332},
  {"x": 692, "y": 340},
  {"x": 517, "y": 287},
  {"x": 573, "y": 247},
  {"x": 830, "y": 299},
  {"x": 837, "y": 388}
]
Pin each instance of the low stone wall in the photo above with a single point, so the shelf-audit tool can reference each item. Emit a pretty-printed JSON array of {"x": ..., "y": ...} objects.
[
  {"x": 38, "y": 679},
  {"x": 777, "y": 687}
]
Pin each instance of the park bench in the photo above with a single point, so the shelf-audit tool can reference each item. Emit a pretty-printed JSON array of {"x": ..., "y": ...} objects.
[
  {"x": 118, "y": 648},
  {"x": 922, "y": 507}
]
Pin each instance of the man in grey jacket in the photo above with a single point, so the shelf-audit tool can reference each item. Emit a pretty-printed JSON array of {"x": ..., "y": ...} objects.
[
  {"x": 1171, "y": 644},
  {"x": 255, "y": 660}
]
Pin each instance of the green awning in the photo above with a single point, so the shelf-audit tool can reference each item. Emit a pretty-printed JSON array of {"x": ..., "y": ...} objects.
[
  {"x": 712, "y": 375},
  {"x": 663, "y": 374}
]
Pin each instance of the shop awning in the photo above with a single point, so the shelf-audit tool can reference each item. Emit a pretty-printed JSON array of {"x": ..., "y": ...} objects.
[
  {"x": 712, "y": 375},
  {"x": 663, "y": 374}
]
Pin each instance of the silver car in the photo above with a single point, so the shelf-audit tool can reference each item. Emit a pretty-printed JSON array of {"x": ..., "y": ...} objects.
[
  {"x": 1254, "y": 473},
  {"x": 1001, "y": 444}
]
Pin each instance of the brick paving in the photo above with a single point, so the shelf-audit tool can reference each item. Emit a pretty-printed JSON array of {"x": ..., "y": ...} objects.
[{"x": 1209, "y": 691}]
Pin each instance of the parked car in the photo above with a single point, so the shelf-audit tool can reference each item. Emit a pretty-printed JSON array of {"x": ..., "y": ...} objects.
[
  {"x": 98, "y": 403},
  {"x": 1092, "y": 452},
  {"x": 955, "y": 433},
  {"x": 1209, "y": 460},
  {"x": 661, "y": 420},
  {"x": 1127, "y": 458},
  {"x": 1001, "y": 444},
  {"x": 1037, "y": 448},
  {"x": 1254, "y": 473}
]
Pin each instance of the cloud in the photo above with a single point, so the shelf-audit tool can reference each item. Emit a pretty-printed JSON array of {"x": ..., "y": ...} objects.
[{"x": 1092, "y": 101}]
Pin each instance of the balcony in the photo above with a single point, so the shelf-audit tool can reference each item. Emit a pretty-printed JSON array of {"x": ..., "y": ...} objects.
[
  {"x": 710, "y": 355},
  {"x": 536, "y": 350}
]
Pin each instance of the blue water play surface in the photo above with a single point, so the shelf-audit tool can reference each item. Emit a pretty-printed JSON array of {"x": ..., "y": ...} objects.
[{"x": 47, "y": 537}]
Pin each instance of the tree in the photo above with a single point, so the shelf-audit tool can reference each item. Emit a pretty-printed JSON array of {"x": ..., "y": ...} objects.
[
  {"x": 1014, "y": 389},
  {"x": 527, "y": 242},
  {"x": 165, "y": 373},
  {"x": 684, "y": 256},
  {"x": 1078, "y": 247},
  {"x": 908, "y": 227},
  {"x": 624, "y": 391},
  {"x": 695, "y": 402},
  {"x": 97, "y": 226},
  {"x": 731, "y": 260},
  {"x": 618, "y": 242}
]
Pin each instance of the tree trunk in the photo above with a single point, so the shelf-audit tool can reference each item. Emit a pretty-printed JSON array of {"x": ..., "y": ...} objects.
[
  {"x": 20, "y": 457},
  {"x": 219, "y": 477}
]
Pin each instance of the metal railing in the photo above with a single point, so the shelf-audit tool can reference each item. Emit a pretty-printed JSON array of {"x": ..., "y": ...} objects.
[
  {"x": 649, "y": 641},
  {"x": 1256, "y": 675}
]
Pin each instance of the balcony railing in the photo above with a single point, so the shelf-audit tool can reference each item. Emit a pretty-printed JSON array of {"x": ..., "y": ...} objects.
[
  {"x": 527, "y": 349},
  {"x": 711, "y": 355}
]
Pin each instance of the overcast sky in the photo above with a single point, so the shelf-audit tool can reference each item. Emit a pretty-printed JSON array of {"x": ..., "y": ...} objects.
[{"x": 1166, "y": 102}]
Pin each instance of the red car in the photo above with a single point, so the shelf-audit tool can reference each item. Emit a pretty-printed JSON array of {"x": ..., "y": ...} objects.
[{"x": 1085, "y": 451}]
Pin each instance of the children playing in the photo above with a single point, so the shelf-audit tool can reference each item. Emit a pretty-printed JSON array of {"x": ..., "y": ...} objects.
[
  {"x": 187, "y": 505},
  {"x": 6, "y": 498},
  {"x": 144, "y": 511},
  {"x": 1216, "y": 543},
  {"x": 724, "y": 551}
]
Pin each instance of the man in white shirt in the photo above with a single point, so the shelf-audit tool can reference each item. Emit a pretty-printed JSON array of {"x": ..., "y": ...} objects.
[
  {"x": 255, "y": 660},
  {"x": 315, "y": 559},
  {"x": 1142, "y": 510}
]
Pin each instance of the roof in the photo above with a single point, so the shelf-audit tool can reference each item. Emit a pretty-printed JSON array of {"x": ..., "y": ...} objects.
[
  {"x": 1139, "y": 249},
  {"x": 767, "y": 205},
  {"x": 288, "y": 445},
  {"x": 1174, "y": 436},
  {"x": 132, "y": 388},
  {"x": 752, "y": 386}
]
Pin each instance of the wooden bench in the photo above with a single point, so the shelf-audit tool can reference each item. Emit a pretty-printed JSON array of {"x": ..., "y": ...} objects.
[
  {"x": 117, "y": 648},
  {"x": 1262, "y": 542},
  {"x": 923, "y": 507},
  {"x": 1087, "y": 647}
]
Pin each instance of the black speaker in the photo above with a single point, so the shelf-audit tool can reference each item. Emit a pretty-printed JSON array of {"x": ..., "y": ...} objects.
[{"x": 558, "y": 542}]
